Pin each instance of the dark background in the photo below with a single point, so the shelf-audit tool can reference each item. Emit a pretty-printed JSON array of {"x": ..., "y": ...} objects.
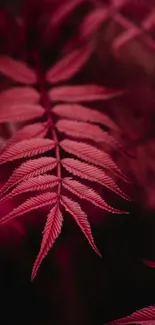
[{"x": 74, "y": 286}]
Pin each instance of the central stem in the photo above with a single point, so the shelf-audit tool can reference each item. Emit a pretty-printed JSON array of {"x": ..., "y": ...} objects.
[{"x": 45, "y": 101}]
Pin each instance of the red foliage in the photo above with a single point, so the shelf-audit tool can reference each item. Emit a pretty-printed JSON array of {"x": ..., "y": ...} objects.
[
  {"x": 76, "y": 119},
  {"x": 145, "y": 316},
  {"x": 39, "y": 103}
]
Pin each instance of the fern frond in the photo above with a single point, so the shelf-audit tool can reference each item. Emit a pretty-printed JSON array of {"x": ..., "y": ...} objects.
[
  {"x": 20, "y": 112},
  {"x": 17, "y": 70},
  {"x": 81, "y": 93},
  {"x": 91, "y": 173},
  {"x": 68, "y": 66},
  {"x": 51, "y": 232},
  {"x": 145, "y": 316},
  {"x": 84, "y": 114},
  {"x": 19, "y": 95},
  {"x": 81, "y": 130},
  {"x": 38, "y": 130},
  {"x": 81, "y": 219},
  {"x": 92, "y": 22},
  {"x": 86, "y": 193},
  {"x": 28, "y": 169},
  {"x": 39, "y": 183},
  {"x": 70, "y": 119},
  {"x": 90, "y": 154},
  {"x": 33, "y": 203},
  {"x": 64, "y": 10},
  {"x": 26, "y": 148}
]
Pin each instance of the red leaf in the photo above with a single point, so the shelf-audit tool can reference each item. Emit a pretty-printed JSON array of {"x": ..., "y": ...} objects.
[
  {"x": 91, "y": 155},
  {"x": 30, "y": 168},
  {"x": 81, "y": 219},
  {"x": 82, "y": 93},
  {"x": 82, "y": 130},
  {"x": 149, "y": 263},
  {"x": 17, "y": 70},
  {"x": 33, "y": 203},
  {"x": 69, "y": 66},
  {"x": 33, "y": 184},
  {"x": 81, "y": 113},
  {"x": 145, "y": 316},
  {"x": 29, "y": 131},
  {"x": 91, "y": 173},
  {"x": 51, "y": 232},
  {"x": 92, "y": 22},
  {"x": 19, "y": 95},
  {"x": 124, "y": 38},
  {"x": 86, "y": 193},
  {"x": 19, "y": 112},
  {"x": 26, "y": 148},
  {"x": 64, "y": 11}
]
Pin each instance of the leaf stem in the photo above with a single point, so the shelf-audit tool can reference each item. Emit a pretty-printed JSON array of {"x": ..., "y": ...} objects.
[{"x": 45, "y": 101}]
